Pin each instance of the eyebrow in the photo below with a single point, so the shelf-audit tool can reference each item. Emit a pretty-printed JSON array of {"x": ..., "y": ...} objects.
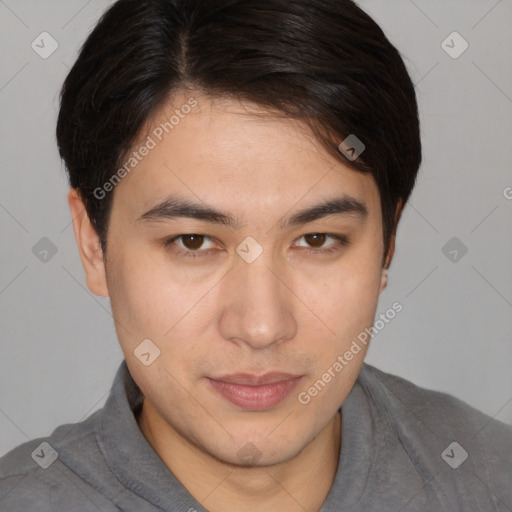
[
  {"x": 342, "y": 205},
  {"x": 174, "y": 207}
]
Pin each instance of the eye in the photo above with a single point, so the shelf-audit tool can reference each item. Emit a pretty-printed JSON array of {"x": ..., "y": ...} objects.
[
  {"x": 190, "y": 244},
  {"x": 319, "y": 242}
]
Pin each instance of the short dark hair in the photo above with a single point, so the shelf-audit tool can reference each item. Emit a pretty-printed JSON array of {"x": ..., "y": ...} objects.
[{"x": 325, "y": 62}]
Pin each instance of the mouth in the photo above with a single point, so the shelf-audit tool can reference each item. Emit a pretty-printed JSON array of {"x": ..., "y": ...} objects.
[{"x": 255, "y": 393}]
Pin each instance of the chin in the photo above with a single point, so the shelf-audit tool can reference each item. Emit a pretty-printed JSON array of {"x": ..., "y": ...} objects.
[{"x": 249, "y": 450}]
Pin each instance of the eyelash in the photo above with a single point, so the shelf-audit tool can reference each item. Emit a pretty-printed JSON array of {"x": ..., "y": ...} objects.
[{"x": 341, "y": 241}]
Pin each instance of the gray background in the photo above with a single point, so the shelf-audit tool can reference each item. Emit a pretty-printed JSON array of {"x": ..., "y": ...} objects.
[{"x": 59, "y": 350}]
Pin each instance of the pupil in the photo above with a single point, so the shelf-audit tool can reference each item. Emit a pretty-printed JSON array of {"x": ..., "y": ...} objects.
[
  {"x": 193, "y": 241},
  {"x": 315, "y": 239}
]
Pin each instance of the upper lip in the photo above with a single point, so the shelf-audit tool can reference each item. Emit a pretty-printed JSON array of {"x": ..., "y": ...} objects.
[{"x": 256, "y": 380}]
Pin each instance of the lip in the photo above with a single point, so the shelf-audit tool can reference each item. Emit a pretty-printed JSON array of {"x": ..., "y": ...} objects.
[{"x": 255, "y": 393}]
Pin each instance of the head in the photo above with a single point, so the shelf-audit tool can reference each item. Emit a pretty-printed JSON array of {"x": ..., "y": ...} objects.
[{"x": 225, "y": 122}]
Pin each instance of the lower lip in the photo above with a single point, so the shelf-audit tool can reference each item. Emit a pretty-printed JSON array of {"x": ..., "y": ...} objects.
[{"x": 255, "y": 398}]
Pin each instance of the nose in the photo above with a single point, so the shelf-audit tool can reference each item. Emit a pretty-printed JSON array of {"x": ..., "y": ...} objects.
[{"x": 257, "y": 306}]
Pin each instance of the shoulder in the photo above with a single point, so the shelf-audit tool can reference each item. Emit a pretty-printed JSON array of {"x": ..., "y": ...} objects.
[
  {"x": 40, "y": 453},
  {"x": 457, "y": 448},
  {"x": 444, "y": 413},
  {"x": 35, "y": 475}
]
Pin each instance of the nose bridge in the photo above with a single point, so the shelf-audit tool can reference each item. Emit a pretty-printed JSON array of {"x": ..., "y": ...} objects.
[{"x": 258, "y": 309}]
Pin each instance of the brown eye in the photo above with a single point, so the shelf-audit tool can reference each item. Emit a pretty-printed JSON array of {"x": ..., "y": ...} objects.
[
  {"x": 192, "y": 242},
  {"x": 190, "y": 245},
  {"x": 315, "y": 239}
]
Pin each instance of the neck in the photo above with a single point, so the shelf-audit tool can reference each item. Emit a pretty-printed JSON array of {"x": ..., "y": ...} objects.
[{"x": 299, "y": 484}]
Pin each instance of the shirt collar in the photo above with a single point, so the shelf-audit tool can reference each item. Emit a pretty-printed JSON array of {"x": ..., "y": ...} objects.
[
  {"x": 128, "y": 454},
  {"x": 134, "y": 462}
]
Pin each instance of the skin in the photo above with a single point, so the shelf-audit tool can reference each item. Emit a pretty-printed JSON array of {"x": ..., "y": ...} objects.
[{"x": 294, "y": 309}]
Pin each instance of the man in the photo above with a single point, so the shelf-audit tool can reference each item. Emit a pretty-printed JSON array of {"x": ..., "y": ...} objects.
[{"x": 238, "y": 170}]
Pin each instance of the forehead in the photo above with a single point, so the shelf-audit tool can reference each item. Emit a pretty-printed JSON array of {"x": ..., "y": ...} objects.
[{"x": 236, "y": 155}]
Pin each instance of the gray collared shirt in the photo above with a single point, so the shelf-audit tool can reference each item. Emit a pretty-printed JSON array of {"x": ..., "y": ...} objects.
[{"x": 403, "y": 448}]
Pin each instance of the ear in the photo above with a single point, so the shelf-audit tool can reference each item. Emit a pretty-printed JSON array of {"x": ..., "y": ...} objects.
[
  {"x": 383, "y": 279},
  {"x": 391, "y": 249},
  {"x": 89, "y": 245}
]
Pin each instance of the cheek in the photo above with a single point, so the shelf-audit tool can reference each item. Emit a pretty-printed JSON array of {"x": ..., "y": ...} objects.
[
  {"x": 147, "y": 297},
  {"x": 345, "y": 301},
  {"x": 149, "y": 304},
  {"x": 344, "y": 296}
]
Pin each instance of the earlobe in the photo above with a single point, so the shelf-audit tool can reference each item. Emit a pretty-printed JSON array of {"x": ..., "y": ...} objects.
[
  {"x": 383, "y": 279},
  {"x": 387, "y": 263},
  {"x": 89, "y": 246}
]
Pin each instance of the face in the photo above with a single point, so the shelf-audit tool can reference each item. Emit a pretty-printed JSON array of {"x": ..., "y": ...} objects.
[{"x": 252, "y": 260}]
